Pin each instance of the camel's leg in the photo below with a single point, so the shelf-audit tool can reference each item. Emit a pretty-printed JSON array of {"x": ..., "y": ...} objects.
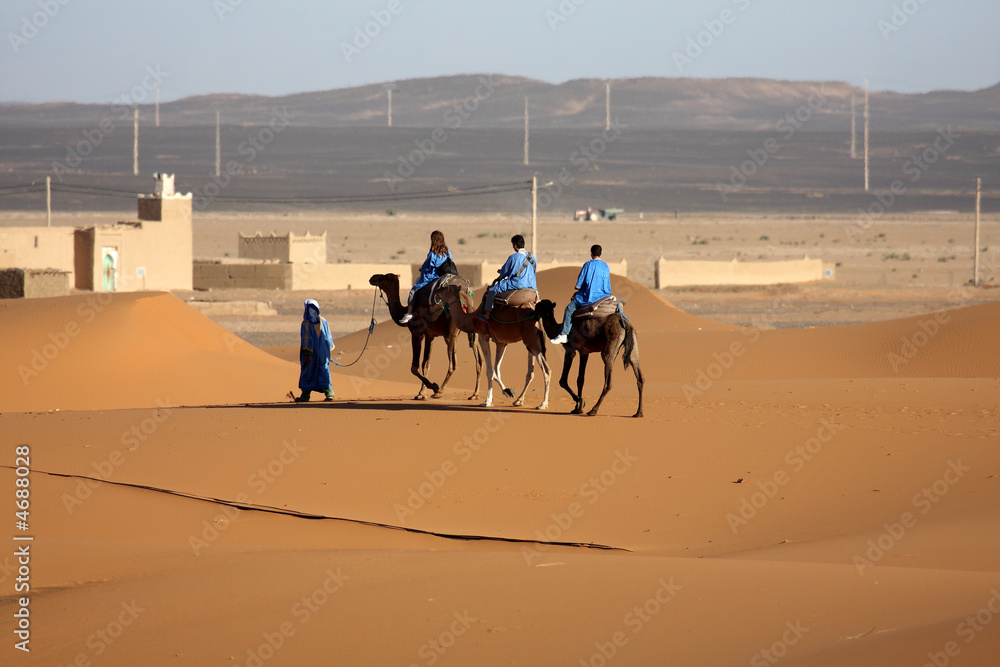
[
  {"x": 546, "y": 376},
  {"x": 529, "y": 376},
  {"x": 415, "y": 341},
  {"x": 633, "y": 361},
  {"x": 564, "y": 379},
  {"x": 609, "y": 361},
  {"x": 501, "y": 348},
  {"x": 584, "y": 356},
  {"x": 479, "y": 364},
  {"x": 484, "y": 345},
  {"x": 450, "y": 342}
]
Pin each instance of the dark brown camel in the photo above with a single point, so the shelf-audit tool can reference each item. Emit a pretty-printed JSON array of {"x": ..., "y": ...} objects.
[
  {"x": 608, "y": 335},
  {"x": 428, "y": 323},
  {"x": 507, "y": 325}
]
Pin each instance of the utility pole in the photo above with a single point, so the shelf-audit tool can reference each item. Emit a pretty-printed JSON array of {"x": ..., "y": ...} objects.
[
  {"x": 157, "y": 106},
  {"x": 218, "y": 144},
  {"x": 854, "y": 128},
  {"x": 389, "y": 87},
  {"x": 979, "y": 198},
  {"x": 607, "y": 105},
  {"x": 48, "y": 201},
  {"x": 527, "y": 133},
  {"x": 135, "y": 142},
  {"x": 534, "y": 216},
  {"x": 867, "y": 123}
]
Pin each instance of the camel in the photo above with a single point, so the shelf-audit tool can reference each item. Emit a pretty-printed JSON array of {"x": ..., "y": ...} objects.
[
  {"x": 428, "y": 323},
  {"x": 607, "y": 335},
  {"x": 507, "y": 325}
]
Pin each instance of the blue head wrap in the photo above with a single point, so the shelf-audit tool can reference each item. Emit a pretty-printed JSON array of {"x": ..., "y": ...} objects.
[{"x": 312, "y": 311}]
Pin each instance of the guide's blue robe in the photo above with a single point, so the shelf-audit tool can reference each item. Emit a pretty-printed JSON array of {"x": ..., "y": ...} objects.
[{"x": 315, "y": 337}]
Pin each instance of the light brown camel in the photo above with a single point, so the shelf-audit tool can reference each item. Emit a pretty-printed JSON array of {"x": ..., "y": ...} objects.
[
  {"x": 607, "y": 335},
  {"x": 507, "y": 325},
  {"x": 428, "y": 323}
]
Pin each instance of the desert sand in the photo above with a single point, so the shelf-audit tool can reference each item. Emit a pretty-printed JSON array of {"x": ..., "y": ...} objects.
[{"x": 822, "y": 496}]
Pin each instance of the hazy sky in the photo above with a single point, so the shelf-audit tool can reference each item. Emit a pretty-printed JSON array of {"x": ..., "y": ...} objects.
[{"x": 98, "y": 50}]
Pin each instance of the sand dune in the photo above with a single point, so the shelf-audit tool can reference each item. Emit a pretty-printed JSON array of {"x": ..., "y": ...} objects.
[{"x": 813, "y": 501}]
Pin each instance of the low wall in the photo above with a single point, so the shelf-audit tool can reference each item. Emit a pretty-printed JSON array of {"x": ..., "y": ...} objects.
[
  {"x": 689, "y": 273},
  {"x": 33, "y": 283},
  {"x": 230, "y": 274}
]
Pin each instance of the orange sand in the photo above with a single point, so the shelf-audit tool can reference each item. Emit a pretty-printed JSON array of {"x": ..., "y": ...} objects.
[{"x": 184, "y": 515}]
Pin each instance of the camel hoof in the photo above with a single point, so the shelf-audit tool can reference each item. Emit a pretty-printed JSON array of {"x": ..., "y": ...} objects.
[
  {"x": 518, "y": 404},
  {"x": 636, "y": 415},
  {"x": 543, "y": 406},
  {"x": 474, "y": 397},
  {"x": 577, "y": 411},
  {"x": 486, "y": 404},
  {"x": 592, "y": 413},
  {"x": 508, "y": 392},
  {"x": 437, "y": 395},
  {"x": 420, "y": 397}
]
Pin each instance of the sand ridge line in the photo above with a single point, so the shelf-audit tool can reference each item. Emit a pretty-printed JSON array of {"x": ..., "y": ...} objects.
[{"x": 251, "y": 507}]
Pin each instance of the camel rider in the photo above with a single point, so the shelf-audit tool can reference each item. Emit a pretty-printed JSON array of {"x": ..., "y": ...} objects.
[
  {"x": 593, "y": 285},
  {"x": 314, "y": 354},
  {"x": 437, "y": 257},
  {"x": 518, "y": 272}
]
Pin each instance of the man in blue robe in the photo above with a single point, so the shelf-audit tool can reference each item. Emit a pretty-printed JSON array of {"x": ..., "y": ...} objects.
[
  {"x": 316, "y": 343},
  {"x": 593, "y": 284},
  {"x": 518, "y": 272}
]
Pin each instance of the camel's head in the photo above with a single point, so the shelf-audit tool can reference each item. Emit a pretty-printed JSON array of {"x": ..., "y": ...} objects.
[
  {"x": 384, "y": 280},
  {"x": 545, "y": 307}
]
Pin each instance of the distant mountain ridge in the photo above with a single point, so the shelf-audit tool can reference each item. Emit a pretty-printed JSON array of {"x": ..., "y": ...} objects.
[{"x": 497, "y": 101}]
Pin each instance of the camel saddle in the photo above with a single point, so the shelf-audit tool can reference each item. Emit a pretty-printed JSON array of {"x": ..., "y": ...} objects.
[
  {"x": 517, "y": 298},
  {"x": 428, "y": 294},
  {"x": 599, "y": 309}
]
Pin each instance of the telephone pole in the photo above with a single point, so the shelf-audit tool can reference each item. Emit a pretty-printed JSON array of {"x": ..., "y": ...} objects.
[
  {"x": 157, "y": 106},
  {"x": 218, "y": 144},
  {"x": 854, "y": 128},
  {"x": 389, "y": 87},
  {"x": 48, "y": 201},
  {"x": 607, "y": 105},
  {"x": 527, "y": 133},
  {"x": 979, "y": 198},
  {"x": 135, "y": 141},
  {"x": 867, "y": 123}
]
